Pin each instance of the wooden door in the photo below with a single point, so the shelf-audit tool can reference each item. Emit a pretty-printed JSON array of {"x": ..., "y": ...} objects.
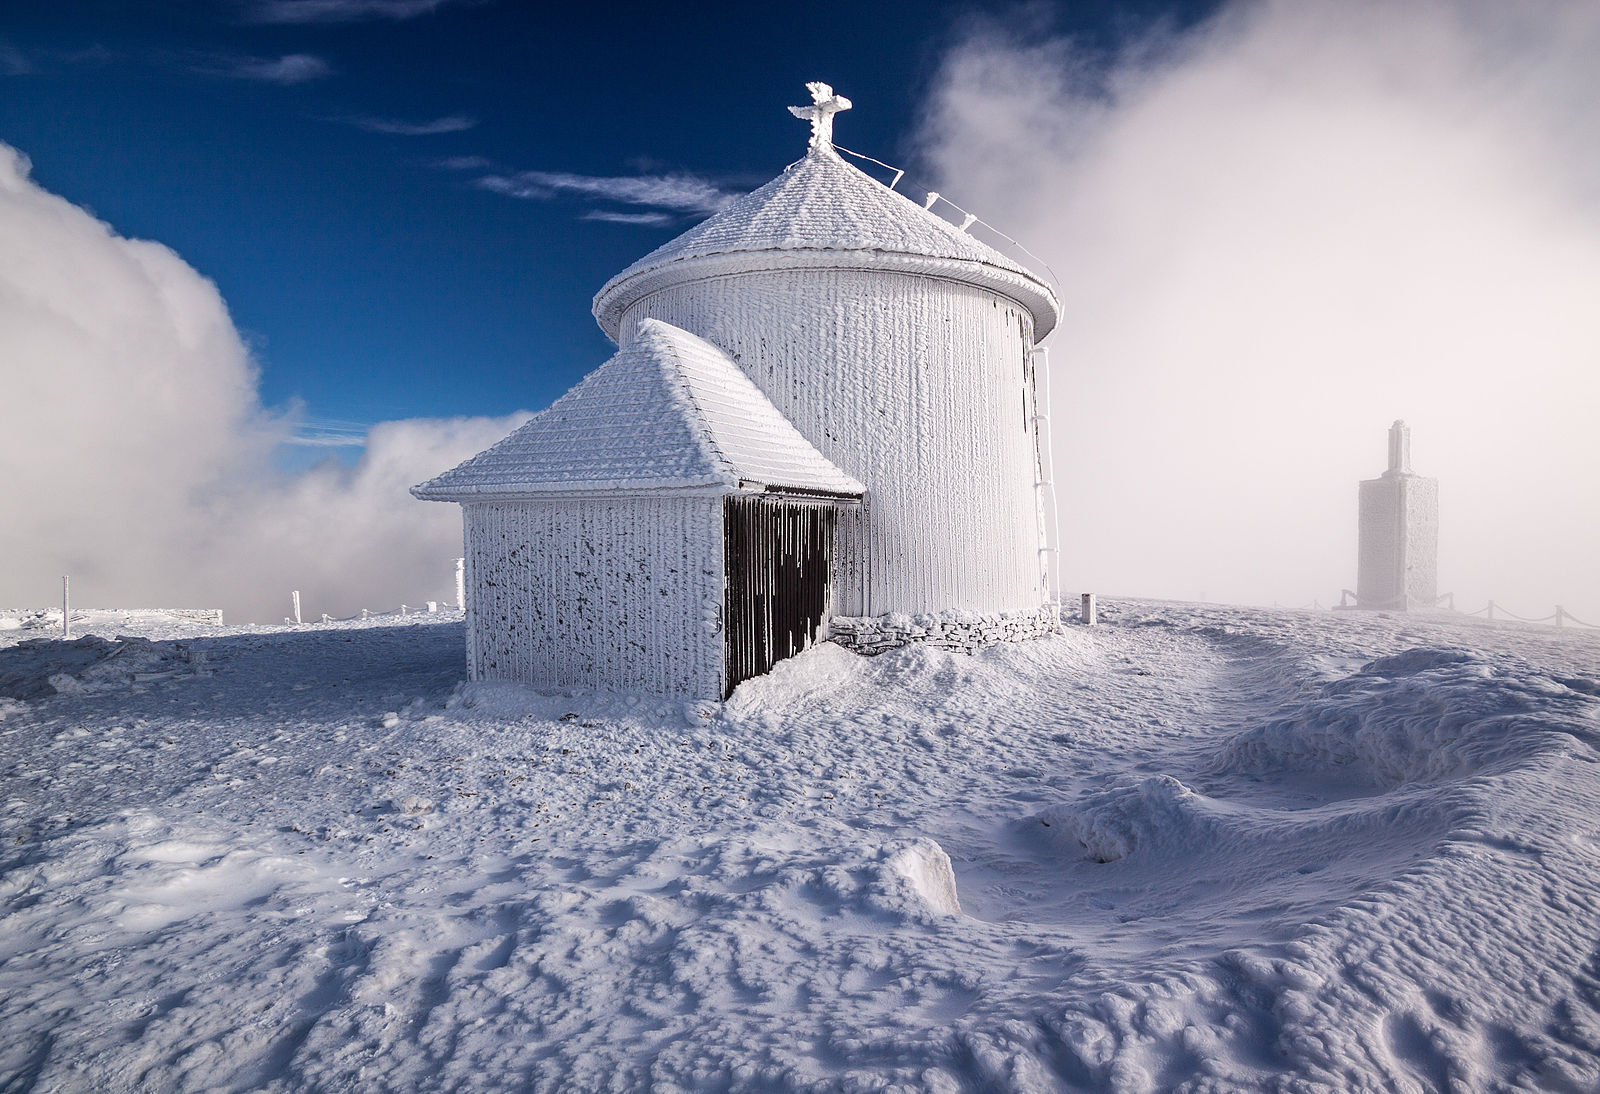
[{"x": 778, "y": 555}]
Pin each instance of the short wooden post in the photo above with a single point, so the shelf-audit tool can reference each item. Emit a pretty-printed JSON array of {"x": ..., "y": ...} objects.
[
  {"x": 66, "y": 609},
  {"x": 1089, "y": 616},
  {"x": 295, "y": 597}
]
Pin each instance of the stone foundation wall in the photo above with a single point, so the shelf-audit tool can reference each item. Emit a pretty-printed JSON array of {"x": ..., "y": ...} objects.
[{"x": 951, "y": 630}]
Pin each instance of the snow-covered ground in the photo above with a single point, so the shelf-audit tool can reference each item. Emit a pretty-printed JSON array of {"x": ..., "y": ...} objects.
[{"x": 1195, "y": 848}]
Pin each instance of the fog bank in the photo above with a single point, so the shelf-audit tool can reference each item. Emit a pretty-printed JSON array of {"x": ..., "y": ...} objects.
[{"x": 1276, "y": 234}]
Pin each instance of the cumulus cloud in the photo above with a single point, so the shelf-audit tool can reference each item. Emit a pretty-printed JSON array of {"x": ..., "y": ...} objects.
[
  {"x": 352, "y": 538},
  {"x": 138, "y": 459},
  {"x": 1275, "y": 234},
  {"x": 454, "y": 123}
]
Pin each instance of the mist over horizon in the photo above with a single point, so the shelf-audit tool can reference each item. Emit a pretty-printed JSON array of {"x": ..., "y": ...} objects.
[{"x": 1276, "y": 233}]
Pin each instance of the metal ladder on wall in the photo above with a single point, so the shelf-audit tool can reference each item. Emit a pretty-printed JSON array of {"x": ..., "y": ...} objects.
[{"x": 1044, "y": 489}]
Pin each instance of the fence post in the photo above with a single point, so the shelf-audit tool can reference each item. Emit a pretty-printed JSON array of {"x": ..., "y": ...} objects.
[
  {"x": 66, "y": 609},
  {"x": 1089, "y": 615}
]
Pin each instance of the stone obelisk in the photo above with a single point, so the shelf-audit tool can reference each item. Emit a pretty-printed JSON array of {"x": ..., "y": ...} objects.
[{"x": 1399, "y": 562}]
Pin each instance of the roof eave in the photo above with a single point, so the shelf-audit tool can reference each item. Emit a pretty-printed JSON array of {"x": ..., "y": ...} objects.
[
  {"x": 537, "y": 491},
  {"x": 850, "y": 490},
  {"x": 632, "y": 285}
]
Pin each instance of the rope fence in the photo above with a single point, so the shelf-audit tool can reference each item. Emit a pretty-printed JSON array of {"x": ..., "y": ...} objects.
[{"x": 1493, "y": 610}]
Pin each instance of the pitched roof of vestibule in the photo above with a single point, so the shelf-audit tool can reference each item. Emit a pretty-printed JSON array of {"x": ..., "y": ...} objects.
[
  {"x": 670, "y": 413},
  {"x": 823, "y": 212}
]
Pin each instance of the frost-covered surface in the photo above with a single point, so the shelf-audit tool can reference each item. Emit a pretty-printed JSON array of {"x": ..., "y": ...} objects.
[
  {"x": 1398, "y": 560},
  {"x": 1194, "y": 848},
  {"x": 547, "y": 610},
  {"x": 670, "y": 411},
  {"x": 823, "y": 212},
  {"x": 923, "y": 390}
]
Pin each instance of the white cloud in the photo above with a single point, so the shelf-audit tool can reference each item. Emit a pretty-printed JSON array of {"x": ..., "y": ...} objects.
[
  {"x": 135, "y": 455},
  {"x": 291, "y": 68},
  {"x": 337, "y": 11},
  {"x": 684, "y": 193},
  {"x": 454, "y": 123},
  {"x": 13, "y": 62},
  {"x": 1278, "y": 233},
  {"x": 610, "y": 216},
  {"x": 465, "y": 163},
  {"x": 351, "y": 537},
  {"x": 328, "y": 433}
]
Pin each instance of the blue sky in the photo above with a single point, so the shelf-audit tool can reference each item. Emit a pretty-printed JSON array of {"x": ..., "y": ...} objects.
[{"x": 408, "y": 204}]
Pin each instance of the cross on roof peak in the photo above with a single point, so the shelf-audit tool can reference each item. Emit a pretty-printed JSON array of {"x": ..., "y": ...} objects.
[{"x": 824, "y": 105}]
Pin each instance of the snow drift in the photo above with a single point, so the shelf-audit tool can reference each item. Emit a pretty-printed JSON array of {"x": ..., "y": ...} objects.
[{"x": 1284, "y": 851}]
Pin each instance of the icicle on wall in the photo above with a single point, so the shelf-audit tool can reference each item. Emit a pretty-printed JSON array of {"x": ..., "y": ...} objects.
[
  {"x": 915, "y": 386},
  {"x": 614, "y": 593}
]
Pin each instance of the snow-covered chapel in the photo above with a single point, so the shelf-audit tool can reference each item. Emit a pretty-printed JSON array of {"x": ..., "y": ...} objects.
[{"x": 821, "y": 421}]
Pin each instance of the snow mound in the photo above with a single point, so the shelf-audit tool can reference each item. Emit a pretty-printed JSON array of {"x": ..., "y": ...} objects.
[
  {"x": 1418, "y": 717},
  {"x": 925, "y": 865},
  {"x": 40, "y": 667},
  {"x": 794, "y": 679},
  {"x": 1131, "y": 814}
]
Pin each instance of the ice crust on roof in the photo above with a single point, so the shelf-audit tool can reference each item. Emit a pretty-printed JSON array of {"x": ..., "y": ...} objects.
[
  {"x": 669, "y": 412},
  {"x": 823, "y": 204}
]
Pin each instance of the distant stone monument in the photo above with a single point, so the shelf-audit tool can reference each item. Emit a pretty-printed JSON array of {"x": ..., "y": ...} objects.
[{"x": 1399, "y": 564}]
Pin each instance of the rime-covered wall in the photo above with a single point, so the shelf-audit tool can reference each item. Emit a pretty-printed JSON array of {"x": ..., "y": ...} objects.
[
  {"x": 1397, "y": 565},
  {"x": 1422, "y": 542},
  {"x": 918, "y": 387},
  {"x": 617, "y": 593}
]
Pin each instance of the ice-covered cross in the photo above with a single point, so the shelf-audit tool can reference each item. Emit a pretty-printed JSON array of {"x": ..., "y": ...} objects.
[{"x": 824, "y": 105}]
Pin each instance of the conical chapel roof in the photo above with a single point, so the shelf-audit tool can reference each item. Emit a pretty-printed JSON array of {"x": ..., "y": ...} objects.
[
  {"x": 670, "y": 413},
  {"x": 822, "y": 212}
]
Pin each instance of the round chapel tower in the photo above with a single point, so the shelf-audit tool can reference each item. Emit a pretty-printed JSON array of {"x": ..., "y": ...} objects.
[{"x": 899, "y": 346}]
